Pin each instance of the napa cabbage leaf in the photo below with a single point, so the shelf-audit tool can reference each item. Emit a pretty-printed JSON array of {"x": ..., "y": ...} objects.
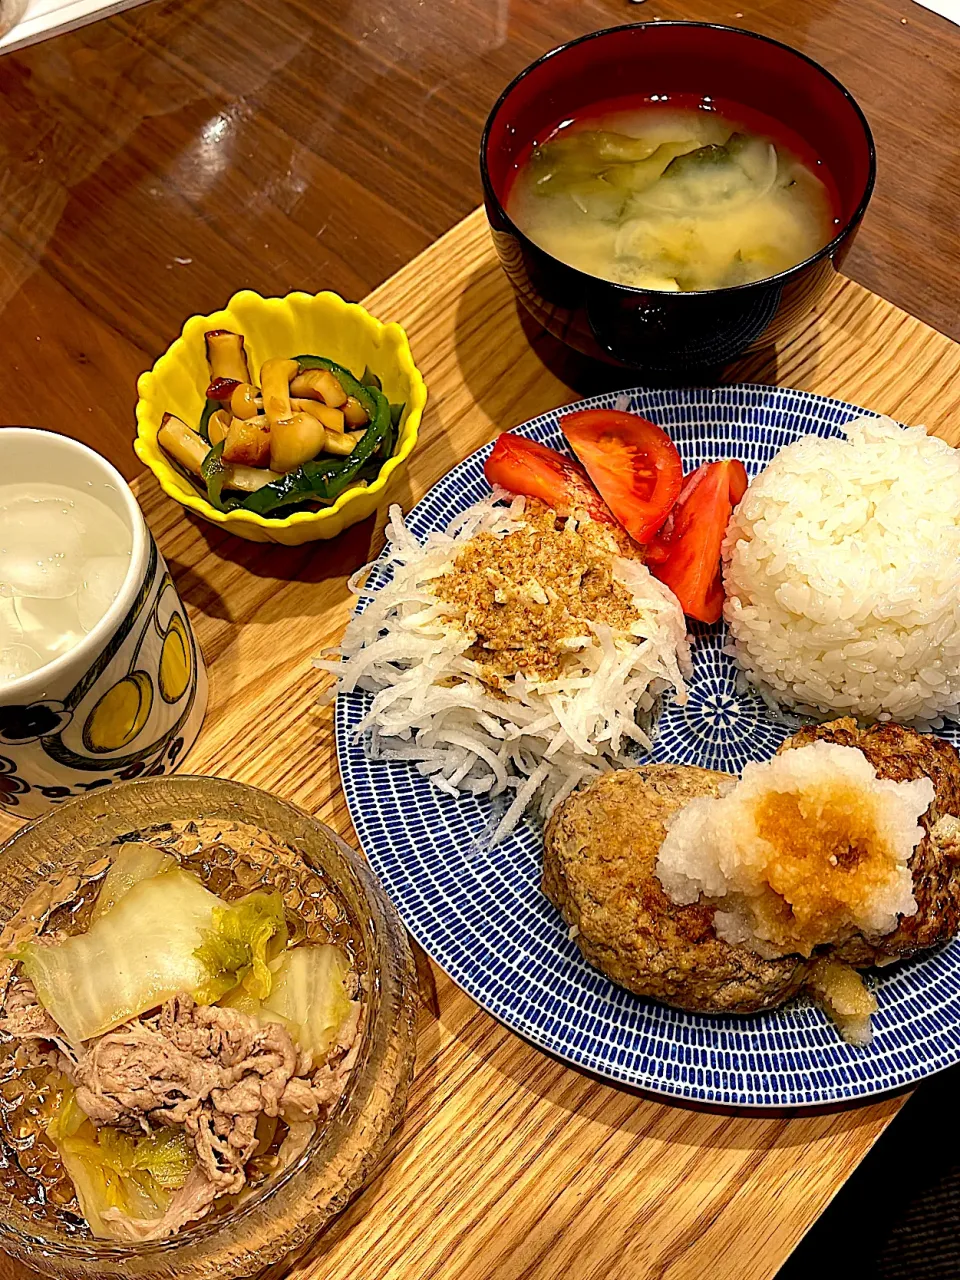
[
  {"x": 251, "y": 1007},
  {"x": 244, "y": 937},
  {"x": 114, "y": 1173},
  {"x": 137, "y": 954},
  {"x": 134, "y": 862},
  {"x": 312, "y": 992},
  {"x": 135, "y": 1177},
  {"x": 64, "y": 1115}
]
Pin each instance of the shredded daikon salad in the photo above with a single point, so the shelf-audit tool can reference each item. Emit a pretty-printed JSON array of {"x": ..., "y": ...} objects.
[{"x": 530, "y": 742}]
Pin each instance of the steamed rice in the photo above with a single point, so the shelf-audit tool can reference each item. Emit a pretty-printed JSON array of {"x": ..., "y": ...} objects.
[
  {"x": 842, "y": 575},
  {"x": 528, "y": 741}
]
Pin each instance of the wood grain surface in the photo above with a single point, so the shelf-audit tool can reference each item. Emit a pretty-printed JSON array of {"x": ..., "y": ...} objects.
[
  {"x": 512, "y": 1166},
  {"x": 154, "y": 163}
]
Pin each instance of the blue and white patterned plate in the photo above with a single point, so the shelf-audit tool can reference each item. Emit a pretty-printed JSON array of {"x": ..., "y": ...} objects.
[{"x": 481, "y": 915}]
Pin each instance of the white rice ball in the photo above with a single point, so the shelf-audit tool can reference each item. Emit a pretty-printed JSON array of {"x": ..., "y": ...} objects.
[
  {"x": 842, "y": 575},
  {"x": 803, "y": 850}
]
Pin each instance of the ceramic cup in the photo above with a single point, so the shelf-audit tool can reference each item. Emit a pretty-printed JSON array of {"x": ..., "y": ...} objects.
[{"x": 128, "y": 700}]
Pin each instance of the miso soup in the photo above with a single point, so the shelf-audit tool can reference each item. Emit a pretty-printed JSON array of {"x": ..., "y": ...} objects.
[{"x": 674, "y": 193}]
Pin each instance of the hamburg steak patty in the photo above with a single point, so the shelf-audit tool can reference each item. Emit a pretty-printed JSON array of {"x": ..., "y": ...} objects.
[
  {"x": 903, "y": 754},
  {"x": 598, "y": 870}
]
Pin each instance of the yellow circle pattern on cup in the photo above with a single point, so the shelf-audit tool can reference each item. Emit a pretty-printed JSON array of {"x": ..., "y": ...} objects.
[
  {"x": 175, "y": 668},
  {"x": 120, "y": 714}
]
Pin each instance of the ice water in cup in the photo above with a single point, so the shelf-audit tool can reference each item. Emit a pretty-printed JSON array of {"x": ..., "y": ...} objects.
[{"x": 64, "y": 554}]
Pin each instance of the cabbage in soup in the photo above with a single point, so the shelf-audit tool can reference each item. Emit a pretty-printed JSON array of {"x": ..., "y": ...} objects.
[{"x": 674, "y": 195}]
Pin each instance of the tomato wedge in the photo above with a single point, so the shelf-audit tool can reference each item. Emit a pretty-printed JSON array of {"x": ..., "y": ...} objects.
[
  {"x": 632, "y": 462},
  {"x": 523, "y": 466},
  {"x": 685, "y": 555}
]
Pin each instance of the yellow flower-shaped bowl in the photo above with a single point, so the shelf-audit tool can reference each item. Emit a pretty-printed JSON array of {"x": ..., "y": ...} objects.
[{"x": 299, "y": 324}]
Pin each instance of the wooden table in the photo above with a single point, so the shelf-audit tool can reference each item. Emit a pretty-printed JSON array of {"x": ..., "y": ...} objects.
[{"x": 159, "y": 161}]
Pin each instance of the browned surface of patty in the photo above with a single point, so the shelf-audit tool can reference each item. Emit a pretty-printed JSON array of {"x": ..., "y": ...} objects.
[
  {"x": 902, "y": 755},
  {"x": 600, "y": 849}
]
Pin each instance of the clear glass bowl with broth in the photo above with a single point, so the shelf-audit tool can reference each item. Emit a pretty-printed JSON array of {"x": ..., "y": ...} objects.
[{"x": 234, "y": 838}]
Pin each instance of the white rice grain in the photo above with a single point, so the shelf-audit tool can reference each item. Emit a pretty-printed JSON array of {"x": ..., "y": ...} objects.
[{"x": 842, "y": 575}]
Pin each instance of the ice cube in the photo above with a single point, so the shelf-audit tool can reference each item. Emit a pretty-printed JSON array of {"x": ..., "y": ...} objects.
[
  {"x": 11, "y": 631},
  {"x": 40, "y": 548},
  {"x": 51, "y": 627},
  {"x": 18, "y": 660},
  {"x": 101, "y": 578}
]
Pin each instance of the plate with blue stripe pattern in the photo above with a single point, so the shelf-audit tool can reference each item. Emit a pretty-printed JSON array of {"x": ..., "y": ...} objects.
[{"x": 480, "y": 913}]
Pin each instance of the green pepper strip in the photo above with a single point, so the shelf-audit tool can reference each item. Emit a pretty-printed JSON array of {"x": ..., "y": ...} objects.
[
  {"x": 396, "y": 413},
  {"x": 351, "y": 385},
  {"x": 381, "y": 413},
  {"x": 209, "y": 408},
  {"x": 214, "y": 472},
  {"x": 325, "y": 481}
]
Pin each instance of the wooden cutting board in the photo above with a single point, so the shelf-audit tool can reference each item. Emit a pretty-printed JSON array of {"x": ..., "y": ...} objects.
[{"x": 510, "y": 1165}]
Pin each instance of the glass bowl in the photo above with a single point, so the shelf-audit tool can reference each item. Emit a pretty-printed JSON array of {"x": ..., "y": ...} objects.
[{"x": 258, "y": 840}]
